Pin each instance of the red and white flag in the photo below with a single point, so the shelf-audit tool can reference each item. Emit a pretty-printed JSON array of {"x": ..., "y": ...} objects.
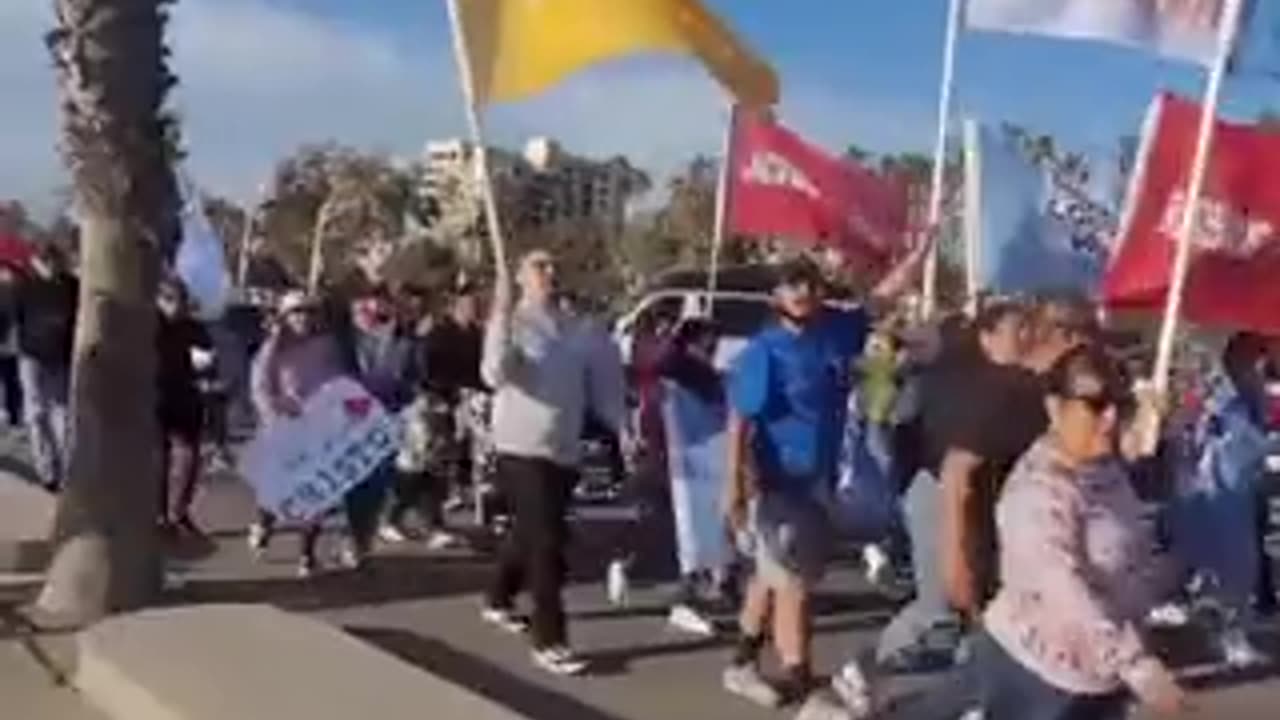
[
  {"x": 783, "y": 186},
  {"x": 1184, "y": 29},
  {"x": 1234, "y": 277}
]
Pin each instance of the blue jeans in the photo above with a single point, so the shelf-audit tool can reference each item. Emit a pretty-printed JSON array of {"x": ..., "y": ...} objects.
[
  {"x": 45, "y": 391},
  {"x": 1009, "y": 691},
  {"x": 927, "y": 622}
]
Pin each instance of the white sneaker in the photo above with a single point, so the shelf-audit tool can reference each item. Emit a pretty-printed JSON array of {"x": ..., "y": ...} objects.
[
  {"x": 174, "y": 580},
  {"x": 745, "y": 682},
  {"x": 825, "y": 705},
  {"x": 257, "y": 540},
  {"x": 1169, "y": 615},
  {"x": 306, "y": 568},
  {"x": 560, "y": 660},
  {"x": 351, "y": 559},
  {"x": 443, "y": 540},
  {"x": 689, "y": 620},
  {"x": 1239, "y": 652},
  {"x": 392, "y": 535},
  {"x": 877, "y": 562},
  {"x": 853, "y": 686},
  {"x": 618, "y": 584},
  {"x": 504, "y": 620}
]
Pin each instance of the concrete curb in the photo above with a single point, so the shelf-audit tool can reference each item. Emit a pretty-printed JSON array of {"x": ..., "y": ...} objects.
[
  {"x": 255, "y": 662},
  {"x": 26, "y": 522}
]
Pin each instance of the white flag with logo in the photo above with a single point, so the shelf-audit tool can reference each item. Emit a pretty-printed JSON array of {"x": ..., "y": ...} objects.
[{"x": 1182, "y": 29}]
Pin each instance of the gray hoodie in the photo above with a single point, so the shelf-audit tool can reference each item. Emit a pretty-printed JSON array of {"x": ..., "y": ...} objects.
[{"x": 548, "y": 370}]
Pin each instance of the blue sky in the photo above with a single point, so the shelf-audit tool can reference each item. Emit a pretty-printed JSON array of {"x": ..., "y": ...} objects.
[{"x": 262, "y": 76}]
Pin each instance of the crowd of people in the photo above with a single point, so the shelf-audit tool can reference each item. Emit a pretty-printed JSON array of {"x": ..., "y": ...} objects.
[{"x": 1050, "y": 508}]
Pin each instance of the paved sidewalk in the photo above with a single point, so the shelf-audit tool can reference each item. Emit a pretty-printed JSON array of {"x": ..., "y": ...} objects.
[{"x": 30, "y": 691}]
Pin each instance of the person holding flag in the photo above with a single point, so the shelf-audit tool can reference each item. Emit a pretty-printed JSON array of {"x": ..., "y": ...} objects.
[{"x": 548, "y": 369}]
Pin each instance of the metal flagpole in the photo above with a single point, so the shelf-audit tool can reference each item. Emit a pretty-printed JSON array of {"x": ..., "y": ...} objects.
[
  {"x": 723, "y": 200},
  {"x": 936, "y": 190},
  {"x": 467, "y": 77},
  {"x": 1227, "y": 33}
]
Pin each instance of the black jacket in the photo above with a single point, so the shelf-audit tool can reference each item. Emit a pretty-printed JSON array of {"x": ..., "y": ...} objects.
[
  {"x": 452, "y": 359},
  {"x": 46, "y": 316}
]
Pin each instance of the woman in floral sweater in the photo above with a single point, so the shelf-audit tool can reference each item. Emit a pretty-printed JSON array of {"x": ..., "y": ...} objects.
[{"x": 1062, "y": 637}]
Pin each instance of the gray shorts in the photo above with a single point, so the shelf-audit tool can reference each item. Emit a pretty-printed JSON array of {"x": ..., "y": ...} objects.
[{"x": 791, "y": 539}]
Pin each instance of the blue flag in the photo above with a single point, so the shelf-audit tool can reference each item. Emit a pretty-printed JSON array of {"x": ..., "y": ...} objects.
[{"x": 1036, "y": 229}]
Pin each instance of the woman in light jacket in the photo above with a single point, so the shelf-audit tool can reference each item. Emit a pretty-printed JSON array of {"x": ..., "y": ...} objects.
[{"x": 297, "y": 359}]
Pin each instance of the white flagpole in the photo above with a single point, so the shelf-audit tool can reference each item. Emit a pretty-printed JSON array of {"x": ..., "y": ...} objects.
[
  {"x": 1227, "y": 33},
  {"x": 723, "y": 200},
  {"x": 973, "y": 211},
  {"x": 315, "y": 273},
  {"x": 250, "y": 211},
  {"x": 936, "y": 190},
  {"x": 467, "y": 77}
]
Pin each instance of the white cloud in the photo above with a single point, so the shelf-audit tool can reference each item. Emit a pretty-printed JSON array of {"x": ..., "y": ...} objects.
[{"x": 258, "y": 79}]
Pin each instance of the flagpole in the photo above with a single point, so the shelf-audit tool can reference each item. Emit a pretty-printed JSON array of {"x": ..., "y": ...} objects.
[
  {"x": 476, "y": 126},
  {"x": 315, "y": 273},
  {"x": 936, "y": 190},
  {"x": 972, "y": 211},
  {"x": 723, "y": 200},
  {"x": 250, "y": 211},
  {"x": 1227, "y": 33}
]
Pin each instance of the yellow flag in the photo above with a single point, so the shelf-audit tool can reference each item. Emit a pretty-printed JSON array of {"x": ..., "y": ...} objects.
[{"x": 521, "y": 47}]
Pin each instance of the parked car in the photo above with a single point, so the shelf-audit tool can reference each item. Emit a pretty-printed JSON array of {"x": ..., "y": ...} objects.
[{"x": 741, "y": 304}]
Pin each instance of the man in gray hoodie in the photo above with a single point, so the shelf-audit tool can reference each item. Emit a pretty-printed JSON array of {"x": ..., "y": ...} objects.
[{"x": 548, "y": 371}]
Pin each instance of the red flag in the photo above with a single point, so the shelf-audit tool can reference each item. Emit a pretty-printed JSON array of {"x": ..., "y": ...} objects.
[
  {"x": 783, "y": 186},
  {"x": 1232, "y": 282}
]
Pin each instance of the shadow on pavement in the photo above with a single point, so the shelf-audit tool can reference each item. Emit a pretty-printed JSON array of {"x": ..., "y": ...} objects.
[
  {"x": 480, "y": 676},
  {"x": 22, "y": 469},
  {"x": 388, "y": 579}
]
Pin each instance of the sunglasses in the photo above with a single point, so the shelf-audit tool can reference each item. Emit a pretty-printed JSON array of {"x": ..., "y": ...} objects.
[{"x": 1098, "y": 404}]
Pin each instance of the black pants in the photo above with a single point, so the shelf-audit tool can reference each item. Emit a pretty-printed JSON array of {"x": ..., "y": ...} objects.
[
  {"x": 421, "y": 491},
  {"x": 1266, "y": 588},
  {"x": 12, "y": 388},
  {"x": 363, "y": 505},
  {"x": 532, "y": 555}
]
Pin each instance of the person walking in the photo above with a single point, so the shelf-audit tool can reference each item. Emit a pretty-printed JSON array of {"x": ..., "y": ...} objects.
[
  {"x": 548, "y": 370},
  {"x": 1062, "y": 637},
  {"x": 1214, "y": 515},
  {"x": 452, "y": 351},
  {"x": 695, "y": 418},
  {"x": 299, "y": 356},
  {"x": 180, "y": 409},
  {"x": 381, "y": 357},
  {"x": 787, "y": 395},
  {"x": 925, "y": 633},
  {"x": 10, "y": 282},
  {"x": 46, "y": 315}
]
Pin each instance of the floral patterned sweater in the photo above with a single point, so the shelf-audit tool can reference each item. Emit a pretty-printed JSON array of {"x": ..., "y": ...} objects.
[{"x": 1077, "y": 574}]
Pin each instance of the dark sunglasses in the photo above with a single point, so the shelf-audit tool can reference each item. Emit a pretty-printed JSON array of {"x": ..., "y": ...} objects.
[{"x": 1098, "y": 404}]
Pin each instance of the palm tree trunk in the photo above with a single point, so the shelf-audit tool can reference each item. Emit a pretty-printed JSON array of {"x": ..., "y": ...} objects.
[{"x": 118, "y": 144}]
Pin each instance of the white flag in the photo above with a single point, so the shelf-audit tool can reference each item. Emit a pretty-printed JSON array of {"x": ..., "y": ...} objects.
[
  {"x": 1181, "y": 29},
  {"x": 201, "y": 262}
]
